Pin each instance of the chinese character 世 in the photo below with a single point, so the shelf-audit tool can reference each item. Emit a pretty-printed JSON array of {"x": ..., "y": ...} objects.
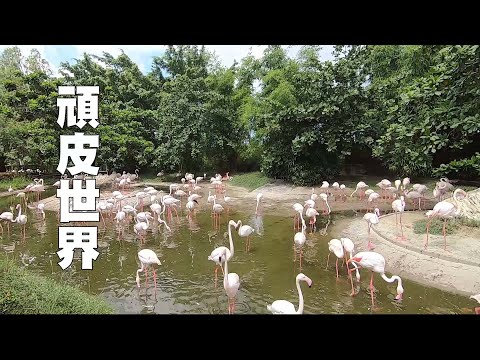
[
  {"x": 71, "y": 238},
  {"x": 78, "y": 141},
  {"x": 87, "y": 106},
  {"x": 83, "y": 204}
]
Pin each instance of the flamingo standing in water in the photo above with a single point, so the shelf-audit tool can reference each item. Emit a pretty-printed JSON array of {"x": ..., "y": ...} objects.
[
  {"x": 286, "y": 307},
  {"x": 217, "y": 209},
  {"x": 312, "y": 214},
  {"x": 298, "y": 212},
  {"x": 21, "y": 219},
  {"x": 399, "y": 207},
  {"x": 231, "y": 283},
  {"x": 245, "y": 231},
  {"x": 216, "y": 254},
  {"x": 8, "y": 217},
  {"x": 342, "y": 192},
  {"x": 339, "y": 248},
  {"x": 372, "y": 219},
  {"x": 299, "y": 240},
  {"x": 445, "y": 210},
  {"x": 375, "y": 262},
  {"x": 147, "y": 258},
  {"x": 324, "y": 197},
  {"x": 259, "y": 197}
]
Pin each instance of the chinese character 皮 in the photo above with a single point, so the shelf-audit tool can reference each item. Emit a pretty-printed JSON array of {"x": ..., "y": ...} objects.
[{"x": 78, "y": 151}]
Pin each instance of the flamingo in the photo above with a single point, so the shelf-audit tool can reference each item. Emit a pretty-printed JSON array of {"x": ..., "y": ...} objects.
[
  {"x": 398, "y": 182},
  {"x": 335, "y": 187},
  {"x": 360, "y": 186},
  {"x": 245, "y": 231},
  {"x": 399, "y": 207},
  {"x": 476, "y": 297},
  {"x": 375, "y": 262},
  {"x": 383, "y": 185},
  {"x": 296, "y": 220},
  {"x": 286, "y": 307},
  {"x": 140, "y": 228},
  {"x": 342, "y": 192},
  {"x": 445, "y": 210},
  {"x": 217, "y": 210},
  {"x": 312, "y": 214},
  {"x": 324, "y": 197},
  {"x": 299, "y": 240},
  {"x": 231, "y": 283},
  {"x": 21, "y": 219},
  {"x": 147, "y": 258},
  {"x": 313, "y": 196},
  {"x": 340, "y": 249},
  {"x": 405, "y": 183},
  {"x": 373, "y": 197},
  {"x": 259, "y": 197},
  {"x": 372, "y": 219},
  {"x": 8, "y": 217},
  {"x": 216, "y": 254},
  {"x": 40, "y": 208}
]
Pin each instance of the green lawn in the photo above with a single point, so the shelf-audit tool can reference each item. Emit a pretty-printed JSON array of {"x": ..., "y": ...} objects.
[
  {"x": 436, "y": 226},
  {"x": 22, "y": 292},
  {"x": 250, "y": 181},
  {"x": 16, "y": 183}
]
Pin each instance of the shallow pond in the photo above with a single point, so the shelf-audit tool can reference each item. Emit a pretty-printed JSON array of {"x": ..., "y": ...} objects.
[{"x": 186, "y": 278}]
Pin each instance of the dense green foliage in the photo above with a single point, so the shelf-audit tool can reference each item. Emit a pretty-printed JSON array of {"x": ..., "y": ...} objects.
[
  {"x": 415, "y": 109},
  {"x": 22, "y": 292}
]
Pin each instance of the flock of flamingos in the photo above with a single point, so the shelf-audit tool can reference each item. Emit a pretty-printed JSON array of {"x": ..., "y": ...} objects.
[{"x": 162, "y": 208}]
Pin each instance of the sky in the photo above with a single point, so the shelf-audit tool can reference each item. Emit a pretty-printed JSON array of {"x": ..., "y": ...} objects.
[{"x": 142, "y": 54}]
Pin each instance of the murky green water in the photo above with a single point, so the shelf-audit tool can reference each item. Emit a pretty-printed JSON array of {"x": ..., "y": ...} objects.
[{"x": 186, "y": 277}]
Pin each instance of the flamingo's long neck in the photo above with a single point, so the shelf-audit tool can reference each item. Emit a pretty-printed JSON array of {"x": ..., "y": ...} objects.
[
  {"x": 300, "y": 298},
  {"x": 230, "y": 238},
  {"x": 329, "y": 210},
  {"x": 392, "y": 279},
  {"x": 19, "y": 212},
  {"x": 304, "y": 227},
  {"x": 225, "y": 277}
]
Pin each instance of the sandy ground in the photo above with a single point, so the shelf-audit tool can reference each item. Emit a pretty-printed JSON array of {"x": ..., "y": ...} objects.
[{"x": 456, "y": 270}]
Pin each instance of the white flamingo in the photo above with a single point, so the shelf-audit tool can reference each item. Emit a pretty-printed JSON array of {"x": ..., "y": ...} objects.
[
  {"x": 21, "y": 219},
  {"x": 299, "y": 240},
  {"x": 375, "y": 262},
  {"x": 298, "y": 211},
  {"x": 231, "y": 283},
  {"x": 398, "y": 206},
  {"x": 371, "y": 219},
  {"x": 286, "y": 307},
  {"x": 245, "y": 231},
  {"x": 147, "y": 259},
  {"x": 259, "y": 197},
  {"x": 216, "y": 254},
  {"x": 445, "y": 210},
  {"x": 217, "y": 209},
  {"x": 324, "y": 197}
]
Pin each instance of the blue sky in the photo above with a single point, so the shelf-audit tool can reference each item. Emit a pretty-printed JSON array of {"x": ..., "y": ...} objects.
[{"x": 142, "y": 54}]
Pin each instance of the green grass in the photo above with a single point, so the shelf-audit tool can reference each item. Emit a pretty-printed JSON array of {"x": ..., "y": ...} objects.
[
  {"x": 250, "y": 181},
  {"x": 17, "y": 183},
  {"x": 436, "y": 226},
  {"x": 22, "y": 292}
]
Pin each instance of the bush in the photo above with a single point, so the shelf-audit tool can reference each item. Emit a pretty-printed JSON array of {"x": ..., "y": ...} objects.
[{"x": 465, "y": 169}]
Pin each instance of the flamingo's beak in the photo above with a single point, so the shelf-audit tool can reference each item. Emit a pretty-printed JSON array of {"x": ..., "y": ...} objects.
[{"x": 399, "y": 297}]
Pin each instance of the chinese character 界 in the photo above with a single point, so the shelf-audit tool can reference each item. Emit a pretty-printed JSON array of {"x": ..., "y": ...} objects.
[{"x": 71, "y": 238}]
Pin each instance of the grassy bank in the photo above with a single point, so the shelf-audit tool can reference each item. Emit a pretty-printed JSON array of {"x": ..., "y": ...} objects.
[
  {"x": 250, "y": 181},
  {"x": 22, "y": 292},
  {"x": 436, "y": 226},
  {"x": 16, "y": 183}
]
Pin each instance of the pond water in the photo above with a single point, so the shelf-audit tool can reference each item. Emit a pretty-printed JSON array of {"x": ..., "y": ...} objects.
[{"x": 186, "y": 278}]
